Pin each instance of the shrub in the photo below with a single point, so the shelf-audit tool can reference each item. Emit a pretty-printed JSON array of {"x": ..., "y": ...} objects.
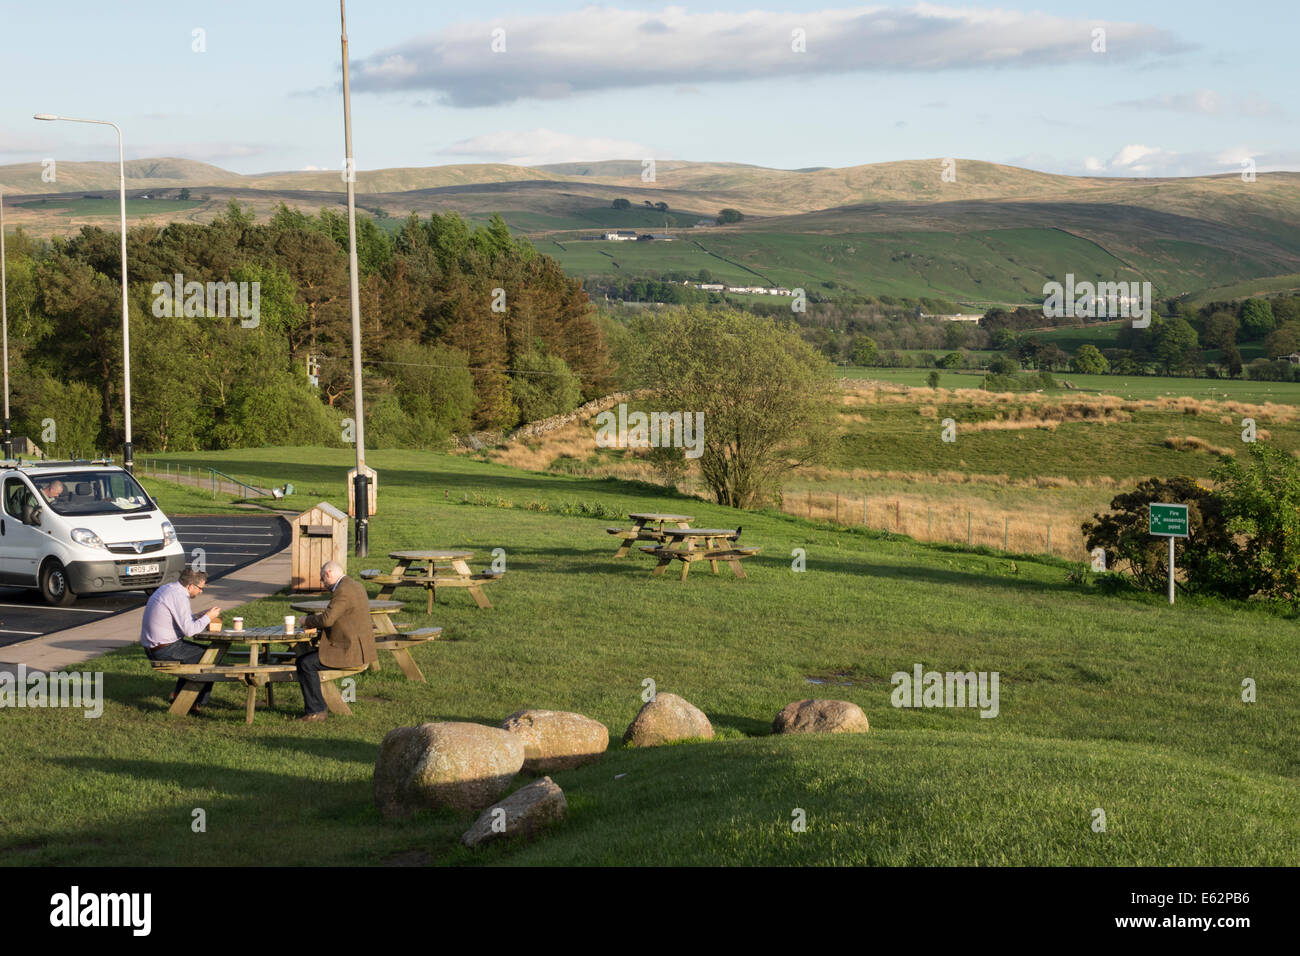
[
  {"x": 1209, "y": 557},
  {"x": 543, "y": 385},
  {"x": 1260, "y": 501}
]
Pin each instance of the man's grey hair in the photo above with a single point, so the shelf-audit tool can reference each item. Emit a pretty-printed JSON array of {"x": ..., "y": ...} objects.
[{"x": 332, "y": 567}]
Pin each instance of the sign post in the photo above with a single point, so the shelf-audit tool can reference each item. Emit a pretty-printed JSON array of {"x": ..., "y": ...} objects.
[{"x": 1168, "y": 521}]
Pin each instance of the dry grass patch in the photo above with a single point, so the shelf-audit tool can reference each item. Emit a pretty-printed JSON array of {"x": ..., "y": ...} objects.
[{"x": 1192, "y": 443}]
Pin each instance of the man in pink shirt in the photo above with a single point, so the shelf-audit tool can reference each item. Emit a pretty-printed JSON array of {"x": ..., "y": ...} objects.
[{"x": 168, "y": 620}]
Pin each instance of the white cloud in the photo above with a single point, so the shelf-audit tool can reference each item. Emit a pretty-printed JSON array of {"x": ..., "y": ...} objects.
[
  {"x": 537, "y": 147},
  {"x": 1138, "y": 160},
  {"x": 1207, "y": 103},
  {"x": 549, "y": 56}
]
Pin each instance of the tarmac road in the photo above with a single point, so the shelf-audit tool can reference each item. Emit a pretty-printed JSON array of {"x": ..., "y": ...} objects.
[{"x": 226, "y": 542}]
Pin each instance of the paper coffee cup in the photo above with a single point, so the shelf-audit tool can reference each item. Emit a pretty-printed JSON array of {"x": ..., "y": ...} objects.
[
  {"x": 288, "y": 624},
  {"x": 239, "y": 623}
]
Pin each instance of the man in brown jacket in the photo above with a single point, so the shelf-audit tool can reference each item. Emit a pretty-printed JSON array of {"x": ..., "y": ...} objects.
[{"x": 347, "y": 638}]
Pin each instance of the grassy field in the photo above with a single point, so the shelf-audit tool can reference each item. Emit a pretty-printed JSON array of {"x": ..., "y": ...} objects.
[
  {"x": 993, "y": 265},
  {"x": 78, "y": 207},
  {"x": 1118, "y": 702},
  {"x": 1123, "y": 386}
]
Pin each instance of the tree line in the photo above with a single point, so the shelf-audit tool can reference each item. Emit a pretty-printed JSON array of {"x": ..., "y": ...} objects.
[{"x": 463, "y": 327}]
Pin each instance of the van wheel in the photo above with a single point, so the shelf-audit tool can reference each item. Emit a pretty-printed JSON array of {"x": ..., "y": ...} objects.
[{"x": 54, "y": 585}]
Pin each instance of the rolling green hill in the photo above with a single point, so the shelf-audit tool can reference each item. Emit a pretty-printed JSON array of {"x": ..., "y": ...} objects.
[{"x": 994, "y": 235}]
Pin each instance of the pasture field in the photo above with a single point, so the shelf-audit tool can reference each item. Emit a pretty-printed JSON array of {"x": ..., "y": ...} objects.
[
  {"x": 1118, "y": 702},
  {"x": 1123, "y": 386},
  {"x": 1000, "y": 265},
  {"x": 77, "y": 208},
  {"x": 1023, "y": 473}
]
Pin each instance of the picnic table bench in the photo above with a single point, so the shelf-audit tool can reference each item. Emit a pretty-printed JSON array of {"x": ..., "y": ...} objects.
[
  {"x": 210, "y": 668},
  {"x": 387, "y": 636},
  {"x": 432, "y": 570},
  {"x": 398, "y": 646},
  {"x": 639, "y": 531},
  {"x": 718, "y": 545}
]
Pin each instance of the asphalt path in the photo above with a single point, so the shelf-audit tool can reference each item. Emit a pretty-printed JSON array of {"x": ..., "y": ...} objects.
[{"x": 224, "y": 542}]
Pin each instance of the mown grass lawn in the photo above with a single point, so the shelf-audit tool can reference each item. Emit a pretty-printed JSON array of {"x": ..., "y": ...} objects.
[{"x": 1114, "y": 702}]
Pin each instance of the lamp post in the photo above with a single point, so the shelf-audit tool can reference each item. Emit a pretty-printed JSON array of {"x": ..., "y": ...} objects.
[
  {"x": 4, "y": 325},
  {"x": 128, "y": 460},
  {"x": 361, "y": 495}
]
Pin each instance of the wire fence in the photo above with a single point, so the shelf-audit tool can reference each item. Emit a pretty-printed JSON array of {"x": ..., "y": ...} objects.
[{"x": 1013, "y": 531}]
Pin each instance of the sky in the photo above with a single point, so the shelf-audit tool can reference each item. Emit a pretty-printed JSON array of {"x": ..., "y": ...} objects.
[{"x": 1166, "y": 89}]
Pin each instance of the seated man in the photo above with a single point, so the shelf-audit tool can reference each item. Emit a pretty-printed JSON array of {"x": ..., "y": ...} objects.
[
  {"x": 347, "y": 639},
  {"x": 53, "y": 491},
  {"x": 167, "y": 620}
]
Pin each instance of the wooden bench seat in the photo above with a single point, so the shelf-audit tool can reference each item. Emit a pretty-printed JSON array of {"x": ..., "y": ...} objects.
[
  {"x": 732, "y": 555},
  {"x": 397, "y": 645},
  {"x": 254, "y": 676}
]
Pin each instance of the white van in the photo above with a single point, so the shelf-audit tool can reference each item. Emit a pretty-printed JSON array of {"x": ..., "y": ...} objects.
[{"x": 80, "y": 527}]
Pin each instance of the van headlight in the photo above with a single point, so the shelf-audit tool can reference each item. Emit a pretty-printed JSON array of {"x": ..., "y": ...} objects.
[
  {"x": 86, "y": 537},
  {"x": 169, "y": 533}
]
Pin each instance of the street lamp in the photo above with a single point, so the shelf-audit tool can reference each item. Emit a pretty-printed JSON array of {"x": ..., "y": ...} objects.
[
  {"x": 4, "y": 324},
  {"x": 361, "y": 496},
  {"x": 128, "y": 460}
]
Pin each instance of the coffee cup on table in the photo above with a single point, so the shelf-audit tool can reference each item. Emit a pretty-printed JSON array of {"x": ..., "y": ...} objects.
[
  {"x": 288, "y": 624},
  {"x": 239, "y": 623}
]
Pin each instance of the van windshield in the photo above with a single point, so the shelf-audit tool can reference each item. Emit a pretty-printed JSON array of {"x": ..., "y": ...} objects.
[{"x": 92, "y": 493}]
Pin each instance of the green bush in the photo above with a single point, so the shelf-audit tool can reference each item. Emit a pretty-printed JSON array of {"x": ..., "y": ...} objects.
[
  {"x": 1210, "y": 557},
  {"x": 1260, "y": 501},
  {"x": 543, "y": 385}
]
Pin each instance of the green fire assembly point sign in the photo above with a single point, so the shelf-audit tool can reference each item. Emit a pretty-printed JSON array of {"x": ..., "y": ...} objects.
[{"x": 1168, "y": 520}]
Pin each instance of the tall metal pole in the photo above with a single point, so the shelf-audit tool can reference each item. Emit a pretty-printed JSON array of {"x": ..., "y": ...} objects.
[
  {"x": 4, "y": 324},
  {"x": 128, "y": 460},
  {"x": 360, "y": 492}
]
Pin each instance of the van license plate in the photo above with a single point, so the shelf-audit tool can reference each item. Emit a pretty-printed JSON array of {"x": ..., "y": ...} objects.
[{"x": 133, "y": 569}]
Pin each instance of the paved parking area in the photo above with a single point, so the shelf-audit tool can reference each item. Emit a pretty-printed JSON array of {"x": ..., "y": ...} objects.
[{"x": 223, "y": 542}]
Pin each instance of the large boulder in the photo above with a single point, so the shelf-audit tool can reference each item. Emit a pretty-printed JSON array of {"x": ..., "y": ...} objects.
[
  {"x": 556, "y": 740},
  {"x": 458, "y": 765},
  {"x": 522, "y": 813},
  {"x": 665, "y": 719},
  {"x": 812, "y": 716}
]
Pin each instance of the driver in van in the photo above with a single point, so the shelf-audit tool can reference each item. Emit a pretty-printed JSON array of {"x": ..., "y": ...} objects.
[{"x": 53, "y": 490}]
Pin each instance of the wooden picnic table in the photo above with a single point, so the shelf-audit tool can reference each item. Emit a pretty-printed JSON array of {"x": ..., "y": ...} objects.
[
  {"x": 700, "y": 544},
  {"x": 639, "y": 532},
  {"x": 431, "y": 570},
  {"x": 210, "y": 668},
  {"x": 387, "y": 636},
  {"x": 381, "y": 613}
]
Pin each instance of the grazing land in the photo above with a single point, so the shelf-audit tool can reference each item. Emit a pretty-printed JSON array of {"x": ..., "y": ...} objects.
[{"x": 1114, "y": 702}]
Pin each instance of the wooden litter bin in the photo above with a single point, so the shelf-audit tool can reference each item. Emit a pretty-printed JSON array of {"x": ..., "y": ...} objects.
[{"x": 320, "y": 534}]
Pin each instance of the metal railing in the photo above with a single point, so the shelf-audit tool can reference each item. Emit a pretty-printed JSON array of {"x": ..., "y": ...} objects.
[{"x": 201, "y": 477}]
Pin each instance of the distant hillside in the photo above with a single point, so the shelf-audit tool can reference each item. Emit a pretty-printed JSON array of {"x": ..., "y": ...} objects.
[
  {"x": 993, "y": 233},
  {"x": 25, "y": 178}
]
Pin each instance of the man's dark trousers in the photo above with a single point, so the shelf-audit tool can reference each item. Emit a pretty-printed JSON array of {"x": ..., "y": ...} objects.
[
  {"x": 186, "y": 652},
  {"x": 309, "y": 668}
]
